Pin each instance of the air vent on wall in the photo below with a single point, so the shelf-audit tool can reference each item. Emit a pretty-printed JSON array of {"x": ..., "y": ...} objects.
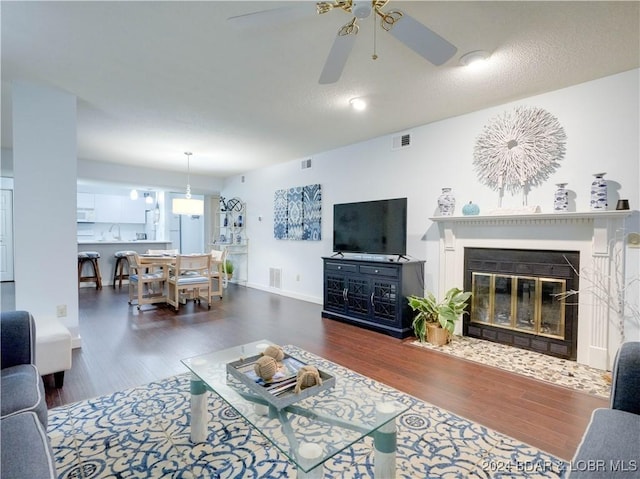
[
  {"x": 401, "y": 141},
  {"x": 275, "y": 278},
  {"x": 306, "y": 163}
]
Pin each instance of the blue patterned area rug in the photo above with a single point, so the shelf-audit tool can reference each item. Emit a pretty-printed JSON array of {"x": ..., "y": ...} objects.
[{"x": 144, "y": 433}]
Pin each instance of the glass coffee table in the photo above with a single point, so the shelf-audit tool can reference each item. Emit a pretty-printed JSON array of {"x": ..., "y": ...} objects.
[{"x": 310, "y": 431}]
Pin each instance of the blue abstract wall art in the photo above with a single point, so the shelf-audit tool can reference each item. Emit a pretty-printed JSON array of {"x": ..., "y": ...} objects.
[
  {"x": 294, "y": 213},
  {"x": 280, "y": 214},
  {"x": 297, "y": 213}
]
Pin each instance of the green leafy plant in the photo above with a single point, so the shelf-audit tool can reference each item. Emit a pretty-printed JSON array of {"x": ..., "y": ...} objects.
[
  {"x": 228, "y": 267},
  {"x": 445, "y": 313}
]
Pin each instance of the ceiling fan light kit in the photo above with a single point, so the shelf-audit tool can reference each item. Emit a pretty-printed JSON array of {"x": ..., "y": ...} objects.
[
  {"x": 413, "y": 34},
  {"x": 361, "y": 10}
]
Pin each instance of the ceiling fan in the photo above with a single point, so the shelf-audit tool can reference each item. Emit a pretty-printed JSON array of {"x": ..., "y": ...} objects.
[{"x": 421, "y": 39}]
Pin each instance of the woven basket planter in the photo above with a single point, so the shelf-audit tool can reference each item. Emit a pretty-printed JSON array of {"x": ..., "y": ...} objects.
[{"x": 436, "y": 335}]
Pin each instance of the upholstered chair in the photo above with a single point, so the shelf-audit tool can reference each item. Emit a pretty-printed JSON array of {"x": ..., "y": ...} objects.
[{"x": 22, "y": 388}]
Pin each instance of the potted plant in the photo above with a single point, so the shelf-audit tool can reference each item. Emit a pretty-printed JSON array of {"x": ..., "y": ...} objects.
[
  {"x": 435, "y": 320},
  {"x": 228, "y": 268}
]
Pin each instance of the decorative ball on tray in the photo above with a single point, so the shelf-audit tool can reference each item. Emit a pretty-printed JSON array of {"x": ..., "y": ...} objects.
[
  {"x": 274, "y": 352},
  {"x": 308, "y": 376},
  {"x": 266, "y": 367}
]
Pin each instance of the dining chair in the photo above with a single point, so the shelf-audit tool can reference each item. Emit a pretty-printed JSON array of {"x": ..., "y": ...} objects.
[
  {"x": 217, "y": 273},
  {"x": 189, "y": 273},
  {"x": 147, "y": 280}
]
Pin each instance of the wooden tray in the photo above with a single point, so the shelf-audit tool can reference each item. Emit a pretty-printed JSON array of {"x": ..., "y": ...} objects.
[{"x": 279, "y": 392}]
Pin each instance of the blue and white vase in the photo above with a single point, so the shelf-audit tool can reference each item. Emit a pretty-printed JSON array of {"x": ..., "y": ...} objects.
[
  {"x": 446, "y": 202},
  {"x": 561, "y": 198},
  {"x": 599, "y": 192}
]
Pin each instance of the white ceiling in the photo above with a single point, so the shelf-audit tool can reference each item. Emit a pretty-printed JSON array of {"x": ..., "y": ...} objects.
[{"x": 155, "y": 79}]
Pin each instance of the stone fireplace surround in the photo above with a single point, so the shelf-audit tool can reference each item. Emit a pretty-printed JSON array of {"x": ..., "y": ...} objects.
[{"x": 597, "y": 236}]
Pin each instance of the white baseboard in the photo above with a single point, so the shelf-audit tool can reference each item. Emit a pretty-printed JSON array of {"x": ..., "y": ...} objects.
[{"x": 288, "y": 294}]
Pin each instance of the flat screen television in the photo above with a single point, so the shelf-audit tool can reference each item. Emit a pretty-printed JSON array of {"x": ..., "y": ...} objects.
[{"x": 373, "y": 227}]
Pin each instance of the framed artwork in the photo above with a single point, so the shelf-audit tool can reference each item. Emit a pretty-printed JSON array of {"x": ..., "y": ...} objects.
[{"x": 297, "y": 213}]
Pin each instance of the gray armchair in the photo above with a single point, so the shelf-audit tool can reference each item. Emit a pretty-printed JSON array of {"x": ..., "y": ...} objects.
[
  {"x": 22, "y": 386},
  {"x": 26, "y": 451},
  {"x": 610, "y": 447}
]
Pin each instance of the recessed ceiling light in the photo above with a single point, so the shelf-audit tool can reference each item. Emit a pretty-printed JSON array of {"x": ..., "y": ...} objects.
[
  {"x": 358, "y": 104},
  {"x": 474, "y": 59}
]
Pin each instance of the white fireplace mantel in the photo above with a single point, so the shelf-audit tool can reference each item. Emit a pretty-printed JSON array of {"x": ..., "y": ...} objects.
[
  {"x": 533, "y": 217},
  {"x": 597, "y": 236}
]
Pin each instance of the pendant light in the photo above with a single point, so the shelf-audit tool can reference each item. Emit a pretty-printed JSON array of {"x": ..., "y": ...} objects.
[
  {"x": 187, "y": 205},
  {"x": 156, "y": 213}
]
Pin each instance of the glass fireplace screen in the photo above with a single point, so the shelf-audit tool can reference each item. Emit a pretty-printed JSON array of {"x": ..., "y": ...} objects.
[{"x": 528, "y": 304}]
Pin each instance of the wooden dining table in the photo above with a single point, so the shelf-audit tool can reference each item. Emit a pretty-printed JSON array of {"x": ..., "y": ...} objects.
[{"x": 150, "y": 261}]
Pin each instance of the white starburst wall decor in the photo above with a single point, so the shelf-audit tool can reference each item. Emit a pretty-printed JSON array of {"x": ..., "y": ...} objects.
[{"x": 518, "y": 150}]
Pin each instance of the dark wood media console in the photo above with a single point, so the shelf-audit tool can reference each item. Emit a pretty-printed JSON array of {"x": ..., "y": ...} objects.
[{"x": 372, "y": 294}]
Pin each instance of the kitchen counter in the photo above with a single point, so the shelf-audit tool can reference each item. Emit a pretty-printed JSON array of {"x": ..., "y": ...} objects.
[
  {"x": 123, "y": 242},
  {"x": 108, "y": 248}
]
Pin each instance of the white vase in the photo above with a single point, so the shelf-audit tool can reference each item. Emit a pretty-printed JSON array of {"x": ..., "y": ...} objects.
[
  {"x": 446, "y": 202},
  {"x": 599, "y": 192},
  {"x": 561, "y": 198}
]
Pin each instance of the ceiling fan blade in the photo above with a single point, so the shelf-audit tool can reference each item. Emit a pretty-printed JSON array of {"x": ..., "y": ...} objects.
[
  {"x": 337, "y": 59},
  {"x": 422, "y": 40},
  {"x": 274, "y": 17}
]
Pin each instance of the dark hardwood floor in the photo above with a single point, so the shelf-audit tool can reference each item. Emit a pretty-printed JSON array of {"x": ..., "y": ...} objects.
[{"x": 122, "y": 348}]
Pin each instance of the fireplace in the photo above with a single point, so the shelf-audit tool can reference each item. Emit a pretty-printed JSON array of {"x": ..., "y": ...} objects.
[
  {"x": 599, "y": 237},
  {"x": 520, "y": 298}
]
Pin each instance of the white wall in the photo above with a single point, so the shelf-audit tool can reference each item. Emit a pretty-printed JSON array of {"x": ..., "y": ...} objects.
[
  {"x": 44, "y": 157},
  {"x": 601, "y": 121},
  {"x": 138, "y": 177}
]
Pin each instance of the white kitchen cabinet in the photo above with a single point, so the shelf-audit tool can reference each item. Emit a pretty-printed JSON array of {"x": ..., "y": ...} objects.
[
  {"x": 86, "y": 201},
  {"x": 119, "y": 209},
  {"x": 107, "y": 209},
  {"x": 133, "y": 211}
]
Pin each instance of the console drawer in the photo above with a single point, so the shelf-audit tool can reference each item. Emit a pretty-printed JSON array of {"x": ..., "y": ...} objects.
[
  {"x": 379, "y": 271},
  {"x": 344, "y": 268}
]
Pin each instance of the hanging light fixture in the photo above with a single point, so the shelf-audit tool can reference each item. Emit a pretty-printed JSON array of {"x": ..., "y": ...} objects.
[
  {"x": 187, "y": 205},
  {"x": 156, "y": 213},
  {"x": 133, "y": 194}
]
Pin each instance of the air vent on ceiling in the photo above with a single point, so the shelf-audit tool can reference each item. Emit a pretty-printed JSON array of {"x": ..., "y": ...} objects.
[
  {"x": 401, "y": 141},
  {"x": 306, "y": 163},
  {"x": 275, "y": 278}
]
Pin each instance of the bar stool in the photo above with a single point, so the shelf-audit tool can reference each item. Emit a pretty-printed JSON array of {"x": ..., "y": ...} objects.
[
  {"x": 121, "y": 262},
  {"x": 92, "y": 258}
]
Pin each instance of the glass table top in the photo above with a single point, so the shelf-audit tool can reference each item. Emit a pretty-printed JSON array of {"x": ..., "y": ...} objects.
[{"x": 311, "y": 430}]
